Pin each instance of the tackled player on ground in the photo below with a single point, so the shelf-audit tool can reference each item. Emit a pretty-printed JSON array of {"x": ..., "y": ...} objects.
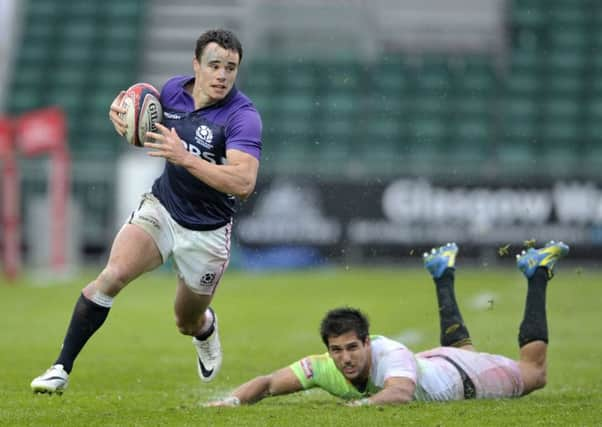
[{"x": 366, "y": 369}]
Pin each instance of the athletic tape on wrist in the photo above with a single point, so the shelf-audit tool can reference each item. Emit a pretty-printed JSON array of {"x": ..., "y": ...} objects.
[
  {"x": 232, "y": 400},
  {"x": 361, "y": 402}
]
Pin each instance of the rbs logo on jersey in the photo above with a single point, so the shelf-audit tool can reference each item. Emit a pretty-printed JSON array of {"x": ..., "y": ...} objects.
[
  {"x": 203, "y": 137},
  {"x": 207, "y": 155}
]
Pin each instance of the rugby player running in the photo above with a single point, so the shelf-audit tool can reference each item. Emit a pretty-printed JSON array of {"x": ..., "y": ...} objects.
[{"x": 211, "y": 141}]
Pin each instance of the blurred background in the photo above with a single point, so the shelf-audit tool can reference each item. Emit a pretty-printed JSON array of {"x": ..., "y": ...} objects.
[{"x": 389, "y": 125}]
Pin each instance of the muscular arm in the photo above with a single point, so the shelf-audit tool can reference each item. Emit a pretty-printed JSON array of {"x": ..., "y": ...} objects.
[
  {"x": 277, "y": 383},
  {"x": 397, "y": 390},
  {"x": 237, "y": 177}
]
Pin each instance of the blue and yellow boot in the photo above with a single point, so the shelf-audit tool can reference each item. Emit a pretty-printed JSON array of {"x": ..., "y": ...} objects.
[
  {"x": 440, "y": 258},
  {"x": 529, "y": 260}
]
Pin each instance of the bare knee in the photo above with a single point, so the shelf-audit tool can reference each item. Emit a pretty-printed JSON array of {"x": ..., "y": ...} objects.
[
  {"x": 535, "y": 376},
  {"x": 537, "y": 382},
  {"x": 541, "y": 379}
]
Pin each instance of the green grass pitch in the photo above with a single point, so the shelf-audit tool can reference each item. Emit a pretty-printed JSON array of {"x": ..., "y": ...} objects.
[{"x": 139, "y": 371}]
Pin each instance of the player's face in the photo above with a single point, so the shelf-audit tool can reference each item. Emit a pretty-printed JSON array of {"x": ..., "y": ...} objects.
[
  {"x": 216, "y": 72},
  {"x": 351, "y": 356}
]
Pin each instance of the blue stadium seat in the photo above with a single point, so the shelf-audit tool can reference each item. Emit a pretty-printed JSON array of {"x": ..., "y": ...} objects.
[
  {"x": 528, "y": 13},
  {"x": 342, "y": 104},
  {"x": 78, "y": 46},
  {"x": 341, "y": 75},
  {"x": 256, "y": 78},
  {"x": 379, "y": 129},
  {"x": 516, "y": 157}
]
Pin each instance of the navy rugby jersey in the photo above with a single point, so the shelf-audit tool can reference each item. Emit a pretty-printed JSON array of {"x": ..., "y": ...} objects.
[{"x": 207, "y": 133}]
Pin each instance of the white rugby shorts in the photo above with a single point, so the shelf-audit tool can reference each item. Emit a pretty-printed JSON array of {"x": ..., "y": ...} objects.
[
  {"x": 200, "y": 257},
  {"x": 493, "y": 376}
]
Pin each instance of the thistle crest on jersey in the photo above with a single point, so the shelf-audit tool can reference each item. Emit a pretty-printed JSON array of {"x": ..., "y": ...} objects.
[{"x": 204, "y": 136}]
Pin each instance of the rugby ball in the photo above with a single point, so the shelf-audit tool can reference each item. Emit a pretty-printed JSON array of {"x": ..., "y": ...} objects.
[{"x": 143, "y": 112}]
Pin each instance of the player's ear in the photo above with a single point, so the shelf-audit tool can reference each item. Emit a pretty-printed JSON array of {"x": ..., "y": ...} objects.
[
  {"x": 195, "y": 64},
  {"x": 367, "y": 340}
]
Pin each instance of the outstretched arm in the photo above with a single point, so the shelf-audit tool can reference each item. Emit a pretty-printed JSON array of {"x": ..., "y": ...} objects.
[
  {"x": 397, "y": 390},
  {"x": 283, "y": 381}
]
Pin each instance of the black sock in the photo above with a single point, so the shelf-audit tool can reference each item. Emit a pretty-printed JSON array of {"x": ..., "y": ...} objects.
[
  {"x": 534, "y": 326},
  {"x": 207, "y": 333},
  {"x": 453, "y": 330},
  {"x": 87, "y": 317}
]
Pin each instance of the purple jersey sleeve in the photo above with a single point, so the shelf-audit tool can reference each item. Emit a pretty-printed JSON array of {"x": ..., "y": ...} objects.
[{"x": 243, "y": 132}]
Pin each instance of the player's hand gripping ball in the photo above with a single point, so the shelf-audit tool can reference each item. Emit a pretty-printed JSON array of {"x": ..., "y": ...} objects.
[{"x": 143, "y": 112}]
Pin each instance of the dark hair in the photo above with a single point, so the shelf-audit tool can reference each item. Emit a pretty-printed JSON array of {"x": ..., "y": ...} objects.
[
  {"x": 224, "y": 38},
  {"x": 339, "y": 321}
]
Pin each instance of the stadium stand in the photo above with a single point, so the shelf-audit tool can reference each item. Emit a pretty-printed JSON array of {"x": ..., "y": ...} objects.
[
  {"x": 77, "y": 55},
  {"x": 468, "y": 91},
  {"x": 513, "y": 95}
]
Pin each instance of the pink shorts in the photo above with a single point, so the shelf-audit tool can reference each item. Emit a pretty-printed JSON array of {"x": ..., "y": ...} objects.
[{"x": 493, "y": 376}]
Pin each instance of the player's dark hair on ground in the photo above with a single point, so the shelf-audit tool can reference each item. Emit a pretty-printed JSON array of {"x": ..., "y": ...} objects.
[
  {"x": 341, "y": 320},
  {"x": 224, "y": 38}
]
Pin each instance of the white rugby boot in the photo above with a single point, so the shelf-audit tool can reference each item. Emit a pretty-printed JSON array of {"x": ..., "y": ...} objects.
[
  {"x": 209, "y": 353},
  {"x": 54, "y": 380}
]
